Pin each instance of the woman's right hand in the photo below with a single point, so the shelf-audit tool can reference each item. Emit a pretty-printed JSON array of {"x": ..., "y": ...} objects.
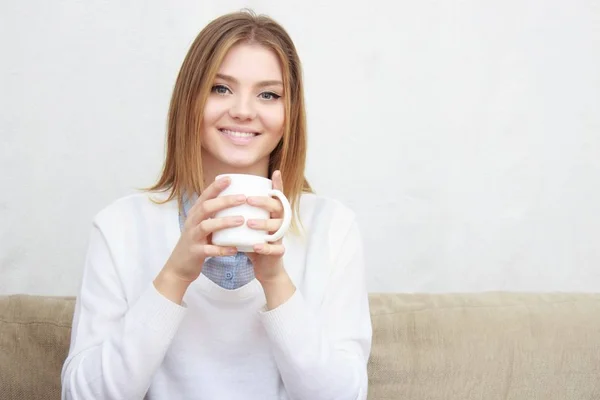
[{"x": 186, "y": 261}]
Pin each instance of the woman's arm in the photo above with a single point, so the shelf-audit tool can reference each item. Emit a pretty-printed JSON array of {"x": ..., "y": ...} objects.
[
  {"x": 323, "y": 354},
  {"x": 115, "y": 347}
]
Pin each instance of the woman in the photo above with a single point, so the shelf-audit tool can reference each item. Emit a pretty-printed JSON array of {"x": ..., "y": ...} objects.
[{"x": 163, "y": 313}]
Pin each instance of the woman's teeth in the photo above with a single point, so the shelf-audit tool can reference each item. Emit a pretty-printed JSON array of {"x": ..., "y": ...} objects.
[{"x": 238, "y": 134}]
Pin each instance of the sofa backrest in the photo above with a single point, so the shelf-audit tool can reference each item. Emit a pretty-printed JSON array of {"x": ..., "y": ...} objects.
[
  {"x": 34, "y": 341},
  {"x": 492, "y": 346}
]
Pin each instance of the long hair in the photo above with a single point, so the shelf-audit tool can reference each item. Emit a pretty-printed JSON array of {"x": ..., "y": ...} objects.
[{"x": 182, "y": 170}]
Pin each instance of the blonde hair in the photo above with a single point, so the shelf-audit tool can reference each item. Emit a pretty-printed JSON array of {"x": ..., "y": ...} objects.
[{"x": 182, "y": 170}]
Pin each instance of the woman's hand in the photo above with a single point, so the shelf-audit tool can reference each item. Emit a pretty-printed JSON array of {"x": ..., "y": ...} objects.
[
  {"x": 267, "y": 258},
  {"x": 194, "y": 245}
]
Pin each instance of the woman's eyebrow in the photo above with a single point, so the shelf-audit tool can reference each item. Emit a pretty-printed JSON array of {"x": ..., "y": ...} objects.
[{"x": 272, "y": 82}]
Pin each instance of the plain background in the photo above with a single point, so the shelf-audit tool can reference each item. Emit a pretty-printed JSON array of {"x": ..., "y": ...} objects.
[{"x": 465, "y": 134}]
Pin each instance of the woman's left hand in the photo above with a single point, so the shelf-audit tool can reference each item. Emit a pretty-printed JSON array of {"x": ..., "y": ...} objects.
[{"x": 267, "y": 258}]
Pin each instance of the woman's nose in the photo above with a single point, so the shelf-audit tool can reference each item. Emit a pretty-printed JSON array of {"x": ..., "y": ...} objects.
[{"x": 242, "y": 108}]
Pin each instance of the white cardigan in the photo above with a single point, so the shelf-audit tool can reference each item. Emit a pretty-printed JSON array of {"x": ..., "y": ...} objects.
[{"x": 129, "y": 342}]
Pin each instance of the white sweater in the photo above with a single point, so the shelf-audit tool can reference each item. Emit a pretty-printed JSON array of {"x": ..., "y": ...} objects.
[{"x": 130, "y": 342}]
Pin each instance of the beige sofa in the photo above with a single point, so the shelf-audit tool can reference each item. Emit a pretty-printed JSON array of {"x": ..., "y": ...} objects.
[{"x": 488, "y": 346}]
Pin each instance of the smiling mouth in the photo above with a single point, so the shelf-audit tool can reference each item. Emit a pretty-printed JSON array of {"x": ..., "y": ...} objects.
[{"x": 238, "y": 134}]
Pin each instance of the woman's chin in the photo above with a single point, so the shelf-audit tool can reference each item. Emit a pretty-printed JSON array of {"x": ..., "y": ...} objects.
[
  {"x": 234, "y": 160},
  {"x": 241, "y": 165}
]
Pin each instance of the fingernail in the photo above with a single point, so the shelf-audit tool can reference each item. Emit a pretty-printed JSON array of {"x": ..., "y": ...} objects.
[
  {"x": 225, "y": 181},
  {"x": 239, "y": 220},
  {"x": 240, "y": 198},
  {"x": 259, "y": 247},
  {"x": 231, "y": 251},
  {"x": 251, "y": 222}
]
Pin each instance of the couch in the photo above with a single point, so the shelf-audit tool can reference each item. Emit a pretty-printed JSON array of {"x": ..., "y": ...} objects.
[{"x": 484, "y": 346}]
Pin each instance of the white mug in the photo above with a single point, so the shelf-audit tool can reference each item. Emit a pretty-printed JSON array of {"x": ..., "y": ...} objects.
[{"x": 243, "y": 237}]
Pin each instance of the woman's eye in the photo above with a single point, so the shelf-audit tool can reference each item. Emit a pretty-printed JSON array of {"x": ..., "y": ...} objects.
[
  {"x": 220, "y": 89},
  {"x": 269, "y": 96}
]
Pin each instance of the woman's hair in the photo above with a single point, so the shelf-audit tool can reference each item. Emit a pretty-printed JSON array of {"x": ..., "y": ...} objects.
[{"x": 182, "y": 170}]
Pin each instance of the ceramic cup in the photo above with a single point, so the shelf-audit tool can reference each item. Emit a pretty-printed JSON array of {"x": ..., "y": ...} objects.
[{"x": 242, "y": 237}]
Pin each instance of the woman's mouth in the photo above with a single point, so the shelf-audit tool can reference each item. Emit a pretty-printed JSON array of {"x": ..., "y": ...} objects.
[{"x": 238, "y": 137}]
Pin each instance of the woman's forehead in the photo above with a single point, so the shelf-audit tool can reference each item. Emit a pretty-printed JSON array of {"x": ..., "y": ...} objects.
[{"x": 251, "y": 63}]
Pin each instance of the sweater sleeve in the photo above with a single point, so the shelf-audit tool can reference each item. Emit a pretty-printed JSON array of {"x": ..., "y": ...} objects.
[
  {"x": 323, "y": 354},
  {"x": 115, "y": 346}
]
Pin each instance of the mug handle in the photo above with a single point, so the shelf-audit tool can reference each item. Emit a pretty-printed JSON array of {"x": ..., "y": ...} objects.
[{"x": 287, "y": 216}]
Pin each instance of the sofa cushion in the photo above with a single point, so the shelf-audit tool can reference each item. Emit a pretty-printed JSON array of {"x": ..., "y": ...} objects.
[
  {"x": 34, "y": 340},
  {"x": 492, "y": 346}
]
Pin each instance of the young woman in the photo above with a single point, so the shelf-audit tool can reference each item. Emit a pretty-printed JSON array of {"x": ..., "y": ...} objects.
[{"x": 165, "y": 314}]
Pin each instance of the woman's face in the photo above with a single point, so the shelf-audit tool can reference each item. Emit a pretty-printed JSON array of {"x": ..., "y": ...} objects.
[{"x": 244, "y": 113}]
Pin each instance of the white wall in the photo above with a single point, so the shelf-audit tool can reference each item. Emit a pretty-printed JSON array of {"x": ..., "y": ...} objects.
[{"x": 464, "y": 134}]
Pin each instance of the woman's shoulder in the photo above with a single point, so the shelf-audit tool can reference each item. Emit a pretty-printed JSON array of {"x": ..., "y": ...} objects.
[
  {"x": 313, "y": 201},
  {"x": 318, "y": 211},
  {"x": 136, "y": 205}
]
